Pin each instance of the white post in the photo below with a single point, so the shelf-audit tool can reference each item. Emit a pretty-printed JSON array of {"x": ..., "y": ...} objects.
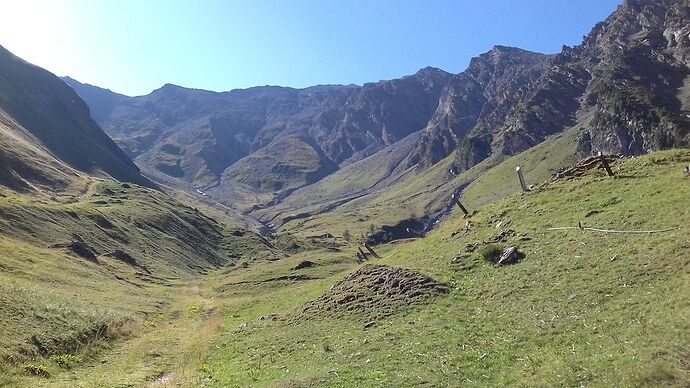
[{"x": 522, "y": 178}]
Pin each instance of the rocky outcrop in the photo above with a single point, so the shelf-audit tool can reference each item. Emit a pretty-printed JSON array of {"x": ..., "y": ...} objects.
[
  {"x": 475, "y": 101},
  {"x": 626, "y": 74}
]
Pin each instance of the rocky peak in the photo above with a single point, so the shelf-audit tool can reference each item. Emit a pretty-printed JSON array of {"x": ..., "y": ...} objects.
[
  {"x": 431, "y": 77},
  {"x": 624, "y": 71},
  {"x": 478, "y": 96},
  {"x": 501, "y": 55}
]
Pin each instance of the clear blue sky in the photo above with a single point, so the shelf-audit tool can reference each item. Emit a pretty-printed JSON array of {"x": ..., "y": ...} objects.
[{"x": 135, "y": 46}]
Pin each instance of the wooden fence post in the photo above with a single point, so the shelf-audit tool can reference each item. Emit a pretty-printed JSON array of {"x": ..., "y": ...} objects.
[
  {"x": 360, "y": 259},
  {"x": 523, "y": 185},
  {"x": 605, "y": 163},
  {"x": 457, "y": 202},
  {"x": 370, "y": 249},
  {"x": 361, "y": 252}
]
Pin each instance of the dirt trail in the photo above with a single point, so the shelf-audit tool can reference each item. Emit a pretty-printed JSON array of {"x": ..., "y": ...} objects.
[{"x": 167, "y": 349}]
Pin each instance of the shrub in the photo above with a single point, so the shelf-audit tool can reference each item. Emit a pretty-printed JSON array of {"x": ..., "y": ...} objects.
[
  {"x": 153, "y": 321},
  {"x": 193, "y": 309},
  {"x": 491, "y": 253}
]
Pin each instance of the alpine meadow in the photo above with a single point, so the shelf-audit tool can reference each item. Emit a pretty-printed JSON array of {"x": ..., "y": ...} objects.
[{"x": 523, "y": 222}]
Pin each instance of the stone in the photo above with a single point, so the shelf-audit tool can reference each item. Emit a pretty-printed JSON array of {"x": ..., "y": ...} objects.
[{"x": 510, "y": 256}]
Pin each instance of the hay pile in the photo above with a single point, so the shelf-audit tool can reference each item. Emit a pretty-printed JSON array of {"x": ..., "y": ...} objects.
[{"x": 372, "y": 292}]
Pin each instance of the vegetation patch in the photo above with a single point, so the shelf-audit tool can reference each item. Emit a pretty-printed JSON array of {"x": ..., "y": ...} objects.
[
  {"x": 77, "y": 248},
  {"x": 374, "y": 291},
  {"x": 66, "y": 361},
  {"x": 36, "y": 370},
  {"x": 491, "y": 253}
]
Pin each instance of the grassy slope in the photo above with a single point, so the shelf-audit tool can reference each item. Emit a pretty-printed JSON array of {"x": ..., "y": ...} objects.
[
  {"x": 350, "y": 182},
  {"x": 538, "y": 164},
  {"x": 429, "y": 193},
  {"x": 53, "y": 303},
  {"x": 57, "y": 119},
  {"x": 581, "y": 308}
]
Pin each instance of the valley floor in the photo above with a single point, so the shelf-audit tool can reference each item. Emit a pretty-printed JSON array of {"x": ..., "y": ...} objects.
[{"x": 581, "y": 308}]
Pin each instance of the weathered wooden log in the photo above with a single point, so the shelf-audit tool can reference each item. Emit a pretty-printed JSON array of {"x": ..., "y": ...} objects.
[
  {"x": 605, "y": 163},
  {"x": 457, "y": 202},
  {"x": 361, "y": 252},
  {"x": 360, "y": 258},
  {"x": 370, "y": 249}
]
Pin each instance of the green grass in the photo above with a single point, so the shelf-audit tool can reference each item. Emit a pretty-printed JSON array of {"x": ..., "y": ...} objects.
[
  {"x": 582, "y": 308},
  {"x": 537, "y": 163},
  {"x": 58, "y": 309}
]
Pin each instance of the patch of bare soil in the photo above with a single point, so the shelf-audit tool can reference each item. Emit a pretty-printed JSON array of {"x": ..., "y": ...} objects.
[{"x": 373, "y": 291}]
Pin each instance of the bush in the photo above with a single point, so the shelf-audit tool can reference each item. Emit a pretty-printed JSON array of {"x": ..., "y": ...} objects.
[{"x": 491, "y": 253}]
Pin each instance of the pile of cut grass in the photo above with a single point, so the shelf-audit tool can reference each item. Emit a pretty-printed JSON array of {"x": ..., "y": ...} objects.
[{"x": 373, "y": 292}]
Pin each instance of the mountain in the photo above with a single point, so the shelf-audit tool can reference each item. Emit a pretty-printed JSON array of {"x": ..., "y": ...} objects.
[
  {"x": 624, "y": 90},
  {"x": 47, "y": 134},
  {"x": 627, "y": 83},
  {"x": 258, "y": 145},
  {"x": 479, "y": 97}
]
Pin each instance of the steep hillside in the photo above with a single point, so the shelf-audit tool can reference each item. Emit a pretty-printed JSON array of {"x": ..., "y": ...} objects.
[
  {"x": 88, "y": 246},
  {"x": 47, "y": 133}
]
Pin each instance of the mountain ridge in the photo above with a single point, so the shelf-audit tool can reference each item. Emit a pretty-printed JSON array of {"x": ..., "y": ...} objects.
[
  {"x": 507, "y": 101},
  {"x": 54, "y": 127}
]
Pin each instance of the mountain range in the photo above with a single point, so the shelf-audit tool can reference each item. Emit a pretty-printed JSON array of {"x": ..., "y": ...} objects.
[{"x": 625, "y": 88}]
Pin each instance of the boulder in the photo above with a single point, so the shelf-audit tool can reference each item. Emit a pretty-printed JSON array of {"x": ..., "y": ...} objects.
[{"x": 510, "y": 256}]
